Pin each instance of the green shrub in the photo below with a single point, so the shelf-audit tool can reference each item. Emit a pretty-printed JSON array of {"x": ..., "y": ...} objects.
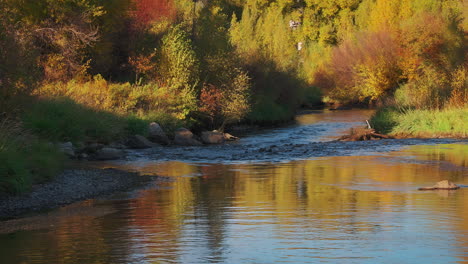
[
  {"x": 179, "y": 69},
  {"x": 384, "y": 120},
  {"x": 267, "y": 111}
]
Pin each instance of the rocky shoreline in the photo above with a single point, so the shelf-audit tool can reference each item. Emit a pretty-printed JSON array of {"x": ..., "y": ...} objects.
[
  {"x": 156, "y": 137},
  {"x": 74, "y": 185},
  {"x": 71, "y": 186}
]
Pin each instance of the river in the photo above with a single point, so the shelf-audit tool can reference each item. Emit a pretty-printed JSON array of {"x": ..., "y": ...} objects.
[{"x": 278, "y": 195}]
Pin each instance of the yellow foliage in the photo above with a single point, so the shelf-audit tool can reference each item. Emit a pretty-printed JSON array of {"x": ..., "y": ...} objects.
[
  {"x": 122, "y": 98},
  {"x": 459, "y": 85}
]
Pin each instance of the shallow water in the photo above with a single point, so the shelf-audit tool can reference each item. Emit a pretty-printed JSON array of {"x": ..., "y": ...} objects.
[{"x": 349, "y": 208}]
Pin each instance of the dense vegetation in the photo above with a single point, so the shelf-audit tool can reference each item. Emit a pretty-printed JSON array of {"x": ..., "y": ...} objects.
[{"x": 67, "y": 63}]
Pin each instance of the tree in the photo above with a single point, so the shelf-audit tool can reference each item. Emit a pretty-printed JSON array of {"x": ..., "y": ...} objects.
[{"x": 225, "y": 97}]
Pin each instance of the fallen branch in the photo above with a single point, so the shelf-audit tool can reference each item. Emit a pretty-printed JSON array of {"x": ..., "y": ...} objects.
[{"x": 362, "y": 135}]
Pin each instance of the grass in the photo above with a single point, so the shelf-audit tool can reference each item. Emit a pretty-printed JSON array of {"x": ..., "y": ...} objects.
[
  {"x": 449, "y": 122},
  {"x": 25, "y": 159},
  {"x": 62, "y": 119}
]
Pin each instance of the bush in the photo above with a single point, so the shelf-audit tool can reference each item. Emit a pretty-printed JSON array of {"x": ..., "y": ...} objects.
[
  {"x": 361, "y": 70},
  {"x": 225, "y": 99},
  {"x": 384, "y": 120},
  {"x": 179, "y": 69},
  {"x": 267, "y": 111}
]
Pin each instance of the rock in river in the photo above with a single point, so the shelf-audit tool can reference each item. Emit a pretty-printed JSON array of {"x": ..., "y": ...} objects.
[
  {"x": 156, "y": 134},
  {"x": 139, "y": 142},
  {"x": 442, "y": 185},
  {"x": 184, "y": 137},
  {"x": 68, "y": 149},
  {"x": 212, "y": 137},
  {"x": 109, "y": 154}
]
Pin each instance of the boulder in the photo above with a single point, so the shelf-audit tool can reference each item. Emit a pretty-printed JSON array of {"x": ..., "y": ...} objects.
[
  {"x": 109, "y": 154},
  {"x": 156, "y": 134},
  {"x": 139, "y": 142},
  {"x": 184, "y": 137},
  {"x": 92, "y": 148},
  {"x": 442, "y": 185},
  {"x": 83, "y": 156},
  {"x": 68, "y": 149},
  {"x": 116, "y": 145},
  {"x": 212, "y": 137}
]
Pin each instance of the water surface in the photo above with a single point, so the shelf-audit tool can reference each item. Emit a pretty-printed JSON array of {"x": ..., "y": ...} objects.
[{"x": 330, "y": 209}]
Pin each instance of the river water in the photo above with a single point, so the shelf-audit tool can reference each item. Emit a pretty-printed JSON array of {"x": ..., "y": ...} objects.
[{"x": 280, "y": 195}]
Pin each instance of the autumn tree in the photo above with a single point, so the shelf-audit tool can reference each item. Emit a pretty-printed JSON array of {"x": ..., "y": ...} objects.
[
  {"x": 147, "y": 11},
  {"x": 225, "y": 97}
]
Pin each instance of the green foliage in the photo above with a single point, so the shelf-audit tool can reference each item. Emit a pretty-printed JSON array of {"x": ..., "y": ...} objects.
[
  {"x": 266, "y": 111},
  {"x": 384, "y": 120},
  {"x": 265, "y": 35},
  {"x": 179, "y": 70},
  {"x": 178, "y": 62}
]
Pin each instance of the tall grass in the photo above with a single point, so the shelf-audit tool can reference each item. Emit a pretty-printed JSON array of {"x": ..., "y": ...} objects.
[
  {"x": 449, "y": 122},
  {"x": 62, "y": 119},
  {"x": 24, "y": 159}
]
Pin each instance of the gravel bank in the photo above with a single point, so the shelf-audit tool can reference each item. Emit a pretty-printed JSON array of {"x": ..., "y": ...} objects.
[{"x": 71, "y": 186}]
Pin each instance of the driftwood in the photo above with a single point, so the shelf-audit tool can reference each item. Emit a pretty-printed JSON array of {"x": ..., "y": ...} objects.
[{"x": 363, "y": 134}]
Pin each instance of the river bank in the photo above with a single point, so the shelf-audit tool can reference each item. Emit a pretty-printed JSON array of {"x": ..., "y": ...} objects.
[{"x": 71, "y": 186}]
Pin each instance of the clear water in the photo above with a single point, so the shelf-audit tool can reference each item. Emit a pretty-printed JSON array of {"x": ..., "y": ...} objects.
[{"x": 335, "y": 209}]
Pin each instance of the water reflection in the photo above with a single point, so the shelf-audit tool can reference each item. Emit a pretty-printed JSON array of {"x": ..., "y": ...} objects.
[{"x": 336, "y": 209}]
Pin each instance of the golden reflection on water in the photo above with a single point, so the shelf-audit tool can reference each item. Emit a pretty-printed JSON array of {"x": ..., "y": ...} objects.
[{"x": 371, "y": 200}]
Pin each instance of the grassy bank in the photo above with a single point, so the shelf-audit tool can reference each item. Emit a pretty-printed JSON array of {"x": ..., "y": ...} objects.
[
  {"x": 450, "y": 122},
  {"x": 25, "y": 159},
  {"x": 29, "y": 139}
]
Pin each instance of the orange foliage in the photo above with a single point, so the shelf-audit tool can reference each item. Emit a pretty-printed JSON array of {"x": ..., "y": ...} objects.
[
  {"x": 362, "y": 68},
  {"x": 142, "y": 64},
  {"x": 148, "y": 11},
  {"x": 423, "y": 41},
  {"x": 211, "y": 101}
]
